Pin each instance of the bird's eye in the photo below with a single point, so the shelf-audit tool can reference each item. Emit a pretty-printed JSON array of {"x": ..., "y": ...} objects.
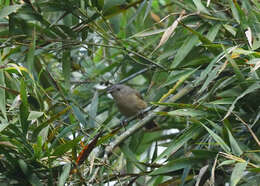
[{"x": 118, "y": 89}]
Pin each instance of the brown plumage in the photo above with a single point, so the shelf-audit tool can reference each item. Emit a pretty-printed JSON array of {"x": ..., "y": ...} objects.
[{"x": 129, "y": 102}]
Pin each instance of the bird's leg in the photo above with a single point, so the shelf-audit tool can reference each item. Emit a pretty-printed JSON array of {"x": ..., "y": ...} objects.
[
  {"x": 123, "y": 123},
  {"x": 142, "y": 113}
]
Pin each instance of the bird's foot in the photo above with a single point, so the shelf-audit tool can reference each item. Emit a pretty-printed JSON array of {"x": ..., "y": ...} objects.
[{"x": 123, "y": 123}]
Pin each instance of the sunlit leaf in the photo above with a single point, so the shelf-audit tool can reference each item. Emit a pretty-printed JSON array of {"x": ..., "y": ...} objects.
[{"x": 237, "y": 173}]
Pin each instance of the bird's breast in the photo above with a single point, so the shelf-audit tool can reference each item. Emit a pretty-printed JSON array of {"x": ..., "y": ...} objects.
[{"x": 131, "y": 105}]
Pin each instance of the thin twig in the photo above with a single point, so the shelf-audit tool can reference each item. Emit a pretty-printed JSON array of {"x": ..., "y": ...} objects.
[{"x": 250, "y": 130}]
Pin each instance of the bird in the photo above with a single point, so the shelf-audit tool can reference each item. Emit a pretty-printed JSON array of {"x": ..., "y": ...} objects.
[{"x": 129, "y": 102}]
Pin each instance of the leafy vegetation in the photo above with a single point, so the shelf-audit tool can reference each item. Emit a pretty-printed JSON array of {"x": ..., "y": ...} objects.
[{"x": 196, "y": 62}]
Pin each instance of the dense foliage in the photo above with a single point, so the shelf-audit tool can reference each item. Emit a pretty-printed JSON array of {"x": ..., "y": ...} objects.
[{"x": 196, "y": 62}]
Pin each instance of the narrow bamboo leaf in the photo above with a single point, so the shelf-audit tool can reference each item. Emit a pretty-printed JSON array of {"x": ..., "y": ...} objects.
[
  {"x": 93, "y": 110},
  {"x": 237, "y": 173},
  {"x": 177, "y": 164},
  {"x": 22, "y": 140},
  {"x": 79, "y": 115},
  {"x": 66, "y": 68},
  {"x": 218, "y": 139},
  {"x": 181, "y": 80},
  {"x": 7, "y": 10},
  {"x": 234, "y": 11},
  {"x": 211, "y": 76},
  {"x": 206, "y": 154},
  {"x": 64, "y": 175},
  {"x": 201, "y": 37},
  {"x": 207, "y": 71},
  {"x": 250, "y": 89},
  {"x": 148, "y": 9},
  {"x": 242, "y": 15},
  {"x": 63, "y": 148},
  {"x": 213, "y": 31},
  {"x": 175, "y": 76},
  {"x": 131, "y": 156},
  {"x": 185, "y": 175},
  {"x": 23, "y": 166},
  {"x": 231, "y": 29},
  {"x": 48, "y": 122},
  {"x": 180, "y": 141},
  {"x": 30, "y": 55},
  {"x": 34, "y": 180},
  {"x": 4, "y": 124},
  {"x": 184, "y": 50},
  {"x": 200, "y": 6},
  {"x": 238, "y": 72},
  {"x": 224, "y": 101},
  {"x": 257, "y": 170},
  {"x": 234, "y": 145},
  {"x": 148, "y": 33},
  {"x": 227, "y": 162},
  {"x": 24, "y": 107},
  {"x": 65, "y": 131},
  {"x": 30, "y": 176},
  {"x": 35, "y": 115},
  {"x": 216, "y": 126},
  {"x": 38, "y": 150},
  {"x": 186, "y": 112},
  {"x": 2, "y": 94},
  {"x": 140, "y": 7}
]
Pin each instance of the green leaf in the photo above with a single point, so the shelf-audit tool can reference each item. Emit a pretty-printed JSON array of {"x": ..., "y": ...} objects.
[
  {"x": 184, "y": 50},
  {"x": 211, "y": 76},
  {"x": 213, "y": 62},
  {"x": 234, "y": 145},
  {"x": 238, "y": 72},
  {"x": 63, "y": 148},
  {"x": 237, "y": 173},
  {"x": 35, "y": 115},
  {"x": 131, "y": 157},
  {"x": 24, "y": 107},
  {"x": 93, "y": 110},
  {"x": 79, "y": 115},
  {"x": 234, "y": 11},
  {"x": 180, "y": 141},
  {"x": 213, "y": 32},
  {"x": 8, "y": 10},
  {"x": 177, "y": 75},
  {"x": 30, "y": 176},
  {"x": 231, "y": 29},
  {"x": 4, "y": 124},
  {"x": 66, "y": 68},
  {"x": 140, "y": 7},
  {"x": 223, "y": 101},
  {"x": 65, "y": 131},
  {"x": 218, "y": 139},
  {"x": 250, "y": 89},
  {"x": 30, "y": 55},
  {"x": 64, "y": 175},
  {"x": 176, "y": 165},
  {"x": 200, "y": 6},
  {"x": 227, "y": 162},
  {"x": 48, "y": 122},
  {"x": 2, "y": 94},
  {"x": 185, "y": 112}
]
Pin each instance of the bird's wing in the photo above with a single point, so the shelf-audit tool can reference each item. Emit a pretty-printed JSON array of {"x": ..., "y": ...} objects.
[{"x": 138, "y": 95}]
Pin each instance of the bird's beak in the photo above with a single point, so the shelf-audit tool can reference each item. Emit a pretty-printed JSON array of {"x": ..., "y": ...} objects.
[{"x": 110, "y": 89}]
